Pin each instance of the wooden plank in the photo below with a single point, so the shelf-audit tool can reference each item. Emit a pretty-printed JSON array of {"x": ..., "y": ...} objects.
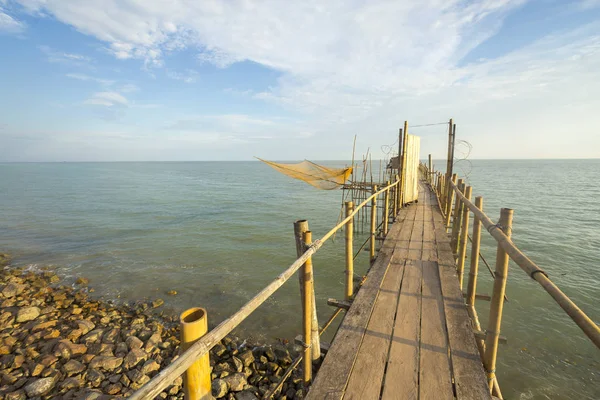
[
  {"x": 367, "y": 375},
  {"x": 415, "y": 248},
  {"x": 429, "y": 242},
  {"x": 337, "y": 366},
  {"x": 469, "y": 377},
  {"x": 435, "y": 378},
  {"x": 402, "y": 374}
]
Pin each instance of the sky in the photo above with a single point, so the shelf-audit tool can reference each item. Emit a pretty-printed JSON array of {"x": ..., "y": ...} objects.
[{"x": 158, "y": 80}]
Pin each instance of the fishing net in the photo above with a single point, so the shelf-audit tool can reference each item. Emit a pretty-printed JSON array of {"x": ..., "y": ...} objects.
[{"x": 314, "y": 174}]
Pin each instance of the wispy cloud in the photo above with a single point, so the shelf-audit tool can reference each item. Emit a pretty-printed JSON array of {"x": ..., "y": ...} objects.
[
  {"x": 9, "y": 24},
  {"x": 187, "y": 76},
  {"x": 55, "y": 56},
  {"x": 84, "y": 77},
  {"x": 107, "y": 99}
]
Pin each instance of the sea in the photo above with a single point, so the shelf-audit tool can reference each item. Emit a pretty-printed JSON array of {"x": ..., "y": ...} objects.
[{"x": 218, "y": 232}]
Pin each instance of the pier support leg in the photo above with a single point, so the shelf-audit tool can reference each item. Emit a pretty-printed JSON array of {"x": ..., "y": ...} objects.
[
  {"x": 196, "y": 379},
  {"x": 464, "y": 232},
  {"x": 373, "y": 225},
  {"x": 349, "y": 252}
]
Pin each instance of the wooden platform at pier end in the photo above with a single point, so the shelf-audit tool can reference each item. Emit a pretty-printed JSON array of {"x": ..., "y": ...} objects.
[{"x": 407, "y": 334}]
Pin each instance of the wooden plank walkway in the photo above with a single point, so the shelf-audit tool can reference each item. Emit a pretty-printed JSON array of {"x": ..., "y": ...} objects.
[{"x": 407, "y": 334}]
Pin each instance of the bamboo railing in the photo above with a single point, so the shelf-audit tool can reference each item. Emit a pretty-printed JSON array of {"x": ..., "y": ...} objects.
[
  {"x": 457, "y": 214},
  {"x": 202, "y": 345}
]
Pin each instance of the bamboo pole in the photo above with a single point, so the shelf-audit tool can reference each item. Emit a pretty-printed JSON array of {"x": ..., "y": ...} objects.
[
  {"x": 307, "y": 306},
  {"x": 373, "y": 224},
  {"x": 475, "y": 246},
  {"x": 396, "y": 196},
  {"x": 403, "y": 176},
  {"x": 386, "y": 210},
  {"x": 349, "y": 252},
  {"x": 584, "y": 322},
  {"x": 450, "y": 159},
  {"x": 497, "y": 302},
  {"x": 464, "y": 232},
  {"x": 449, "y": 197},
  {"x": 430, "y": 172},
  {"x": 456, "y": 219},
  {"x": 399, "y": 187},
  {"x": 300, "y": 227},
  {"x": 196, "y": 379}
]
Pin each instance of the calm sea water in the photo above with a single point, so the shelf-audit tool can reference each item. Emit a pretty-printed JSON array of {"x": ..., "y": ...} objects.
[{"x": 217, "y": 233}]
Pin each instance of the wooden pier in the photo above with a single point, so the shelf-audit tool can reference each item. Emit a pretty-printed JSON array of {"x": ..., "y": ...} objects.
[{"x": 408, "y": 334}]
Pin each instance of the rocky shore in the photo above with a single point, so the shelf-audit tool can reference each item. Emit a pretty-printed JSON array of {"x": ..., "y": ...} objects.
[{"x": 58, "y": 343}]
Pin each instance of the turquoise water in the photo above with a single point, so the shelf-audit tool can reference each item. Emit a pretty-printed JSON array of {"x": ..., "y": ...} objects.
[{"x": 217, "y": 233}]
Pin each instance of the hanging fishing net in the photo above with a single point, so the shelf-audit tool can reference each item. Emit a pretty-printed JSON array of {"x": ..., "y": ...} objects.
[{"x": 314, "y": 174}]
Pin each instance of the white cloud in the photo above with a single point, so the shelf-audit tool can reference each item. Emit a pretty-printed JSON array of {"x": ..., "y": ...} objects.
[
  {"x": 84, "y": 77},
  {"x": 188, "y": 76},
  {"x": 107, "y": 99},
  {"x": 73, "y": 59},
  {"x": 9, "y": 24}
]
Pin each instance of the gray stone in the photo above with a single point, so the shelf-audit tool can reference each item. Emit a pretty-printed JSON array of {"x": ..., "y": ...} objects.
[
  {"x": 12, "y": 289},
  {"x": 85, "y": 326},
  {"x": 93, "y": 336},
  {"x": 27, "y": 314},
  {"x": 134, "y": 343},
  {"x": 134, "y": 357},
  {"x": 219, "y": 388},
  {"x": 40, "y": 387},
  {"x": 18, "y": 395},
  {"x": 73, "y": 367},
  {"x": 247, "y": 395},
  {"x": 219, "y": 350},
  {"x": 239, "y": 365},
  {"x": 95, "y": 377},
  {"x": 149, "y": 367},
  {"x": 106, "y": 363},
  {"x": 236, "y": 382},
  {"x": 247, "y": 357}
]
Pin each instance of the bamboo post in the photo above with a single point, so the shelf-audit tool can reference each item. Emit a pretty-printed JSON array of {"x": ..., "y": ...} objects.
[
  {"x": 450, "y": 159},
  {"x": 497, "y": 301},
  {"x": 464, "y": 233},
  {"x": 307, "y": 300},
  {"x": 300, "y": 227},
  {"x": 196, "y": 379},
  {"x": 349, "y": 252},
  {"x": 373, "y": 224},
  {"x": 403, "y": 175},
  {"x": 456, "y": 218},
  {"x": 396, "y": 196},
  {"x": 449, "y": 192},
  {"x": 430, "y": 172},
  {"x": 386, "y": 209},
  {"x": 399, "y": 186},
  {"x": 475, "y": 246}
]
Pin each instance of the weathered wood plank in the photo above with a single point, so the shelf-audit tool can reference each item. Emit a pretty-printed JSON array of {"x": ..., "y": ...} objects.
[
  {"x": 415, "y": 247},
  {"x": 435, "y": 378},
  {"x": 367, "y": 375},
  {"x": 337, "y": 366},
  {"x": 402, "y": 374},
  {"x": 469, "y": 376},
  {"x": 429, "y": 242}
]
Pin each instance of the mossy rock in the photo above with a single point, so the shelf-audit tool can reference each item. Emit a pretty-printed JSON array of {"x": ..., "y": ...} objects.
[{"x": 4, "y": 259}]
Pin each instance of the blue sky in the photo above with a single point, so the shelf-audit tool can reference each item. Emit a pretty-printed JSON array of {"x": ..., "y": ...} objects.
[{"x": 136, "y": 80}]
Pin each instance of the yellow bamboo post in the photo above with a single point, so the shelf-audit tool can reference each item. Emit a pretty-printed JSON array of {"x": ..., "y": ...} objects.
[
  {"x": 403, "y": 174},
  {"x": 464, "y": 233},
  {"x": 475, "y": 246},
  {"x": 349, "y": 252},
  {"x": 399, "y": 175},
  {"x": 386, "y": 209},
  {"x": 300, "y": 227},
  {"x": 373, "y": 224},
  {"x": 196, "y": 379},
  {"x": 497, "y": 302},
  {"x": 307, "y": 300},
  {"x": 396, "y": 196},
  {"x": 449, "y": 197},
  {"x": 430, "y": 172},
  {"x": 456, "y": 219}
]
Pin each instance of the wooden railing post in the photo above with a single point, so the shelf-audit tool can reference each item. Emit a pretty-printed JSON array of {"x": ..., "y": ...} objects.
[
  {"x": 386, "y": 209},
  {"x": 497, "y": 302},
  {"x": 399, "y": 176},
  {"x": 449, "y": 197},
  {"x": 196, "y": 379},
  {"x": 456, "y": 218},
  {"x": 430, "y": 172},
  {"x": 396, "y": 196},
  {"x": 307, "y": 300},
  {"x": 373, "y": 224},
  {"x": 464, "y": 233},
  {"x": 475, "y": 246},
  {"x": 349, "y": 252},
  {"x": 300, "y": 227}
]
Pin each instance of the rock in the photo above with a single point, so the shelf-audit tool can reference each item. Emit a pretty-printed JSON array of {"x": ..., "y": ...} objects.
[
  {"x": 247, "y": 357},
  {"x": 85, "y": 326},
  {"x": 82, "y": 281},
  {"x": 219, "y": 388},
  {"x": 67, "y": 349},
  {"x": 73, "y": 367},
  {"x": 18, "y": 395},
  {"x": 113, "y": 388},
  {"x": 270, "y": 354},
  {"x": 236, "y": 382},
  {"x": 110, "y": 336},
  {"x": 71, "y": 383},
  {"x": 157, "y": 303},
  {"x": 37, "y": 369},
  {"x": 149, "y": 367},
  {"x": 172, "y": 292},
  {"x": 219, "y": 349},
  {"x": 48, "y": 360},
  {"x": 93, "y": 336},
  {"x": 134, "y": 357},
  {"x": 12, "y": 289},
  {"x": 134, "y": 343},
  {"x": 40, "y": 387},
  {"x": 152, "y": 342},
  {"x": 248, "y": 395},
  {"x": 27, "y": 314},
  {"x": 283, "y": 355},
  {"x": 239, "y": 365},
  {"x": 106, "y": 363},
  {"x": 95, "y": 377}
]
